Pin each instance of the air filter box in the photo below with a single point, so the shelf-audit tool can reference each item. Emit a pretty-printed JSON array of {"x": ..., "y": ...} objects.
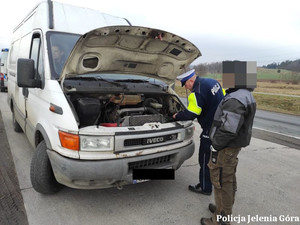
[{"x": 88, "y": 110}]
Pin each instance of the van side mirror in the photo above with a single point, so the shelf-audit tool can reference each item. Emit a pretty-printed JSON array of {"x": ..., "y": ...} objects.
[{"x": 25, "y": 74}]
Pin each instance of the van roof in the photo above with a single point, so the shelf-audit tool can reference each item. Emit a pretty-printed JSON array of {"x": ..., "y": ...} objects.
[{"x": 67, "y": 18}]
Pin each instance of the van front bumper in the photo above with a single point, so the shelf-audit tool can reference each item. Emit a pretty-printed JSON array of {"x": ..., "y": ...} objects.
[{"x": 97, "y": 174}]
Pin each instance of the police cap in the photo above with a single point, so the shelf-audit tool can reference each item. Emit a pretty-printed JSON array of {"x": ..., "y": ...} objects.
[{"x": 185, "y": 77}]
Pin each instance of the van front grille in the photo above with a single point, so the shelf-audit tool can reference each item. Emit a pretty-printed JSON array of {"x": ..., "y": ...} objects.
[
  {"x": 149, "y": 162},
  {"x": 150, "y": 140}
]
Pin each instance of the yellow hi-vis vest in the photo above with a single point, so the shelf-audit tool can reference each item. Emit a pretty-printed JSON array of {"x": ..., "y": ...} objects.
[{"x": 193, "y": 105}]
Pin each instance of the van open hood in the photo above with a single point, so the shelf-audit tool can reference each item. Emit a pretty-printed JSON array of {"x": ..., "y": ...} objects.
[{"x": 131, "y": 50}]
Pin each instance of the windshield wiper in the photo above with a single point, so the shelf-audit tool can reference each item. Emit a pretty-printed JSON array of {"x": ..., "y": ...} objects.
[
  {"x": 141, "y": 81},
  {"x": 99, "y": 78},
  {"x": 111, "y": 82},
  {"x": 81, "y": 77}
]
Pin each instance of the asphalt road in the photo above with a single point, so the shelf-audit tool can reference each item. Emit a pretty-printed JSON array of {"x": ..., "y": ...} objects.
[
  {"x": 278, "y": 122},
  {"x": 277, "y": 128},
  {"x": 12, "y": 209},
  {"x": 268, "y": 184}
]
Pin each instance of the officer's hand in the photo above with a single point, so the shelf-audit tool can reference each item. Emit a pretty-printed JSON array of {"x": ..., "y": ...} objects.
[
  {"x": 212, "y": 149},
  {"x": 174, "y": 116}
]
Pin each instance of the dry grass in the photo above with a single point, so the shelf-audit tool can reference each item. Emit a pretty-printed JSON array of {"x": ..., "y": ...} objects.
[
  {"x": 278, "y": 88},
  {"x": 282, "y": 104},
  {"x": 275, "y": 103}
]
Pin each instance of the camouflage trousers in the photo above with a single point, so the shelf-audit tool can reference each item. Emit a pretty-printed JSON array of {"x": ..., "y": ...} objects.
[{"x": 223, "y": 178}]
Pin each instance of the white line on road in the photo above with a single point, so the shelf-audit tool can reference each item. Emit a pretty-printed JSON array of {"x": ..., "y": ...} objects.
[{"x": 298, "y": 138}]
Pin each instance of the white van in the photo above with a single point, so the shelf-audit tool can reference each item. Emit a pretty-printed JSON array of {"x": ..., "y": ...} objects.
[
  {"x": 96, "y": 105},
  {"x": 3, "y": 69}
]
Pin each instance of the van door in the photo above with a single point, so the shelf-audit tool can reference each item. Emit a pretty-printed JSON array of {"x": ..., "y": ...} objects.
[{"x": 32, "y": 95}]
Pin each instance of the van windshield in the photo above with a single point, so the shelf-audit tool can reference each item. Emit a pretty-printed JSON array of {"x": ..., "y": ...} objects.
[{"x": 60, "y": 46}]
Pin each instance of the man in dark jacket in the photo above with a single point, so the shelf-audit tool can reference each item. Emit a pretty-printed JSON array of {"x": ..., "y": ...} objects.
[
  {"x": 205, "y": 96},
  {"x": 231, "y": 130}
]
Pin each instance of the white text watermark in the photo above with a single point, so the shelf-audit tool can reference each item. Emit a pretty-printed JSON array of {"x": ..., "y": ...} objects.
[{"x": 256, "y": 218}]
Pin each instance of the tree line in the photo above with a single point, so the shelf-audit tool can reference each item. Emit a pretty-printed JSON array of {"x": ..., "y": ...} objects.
[
  {"x": 205, "y": 68},
  {"x": 287, "y": 65}
]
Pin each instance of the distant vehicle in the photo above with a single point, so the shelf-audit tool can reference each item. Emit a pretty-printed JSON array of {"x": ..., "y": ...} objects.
[
  {"x": 3, "y": 69},
  {"x": 92, "y": 94}
]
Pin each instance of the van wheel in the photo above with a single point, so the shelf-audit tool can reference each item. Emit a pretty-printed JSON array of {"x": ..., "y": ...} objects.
[
  {"x": 41, "y": 173},
  {"x": 16, "y": 125}
]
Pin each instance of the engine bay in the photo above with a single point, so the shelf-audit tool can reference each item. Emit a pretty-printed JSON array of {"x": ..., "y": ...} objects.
[{"x": 123, "y": 110}]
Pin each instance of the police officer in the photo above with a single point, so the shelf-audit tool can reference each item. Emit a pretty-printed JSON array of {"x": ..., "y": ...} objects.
[
  {"x": 231, "y": 130},
  {"x": 205, "y": 96}
]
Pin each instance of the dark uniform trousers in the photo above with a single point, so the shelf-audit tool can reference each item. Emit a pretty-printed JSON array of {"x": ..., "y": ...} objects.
[
  {"x": 203, "y": 158},
  {"x": 223, "y": 178}
]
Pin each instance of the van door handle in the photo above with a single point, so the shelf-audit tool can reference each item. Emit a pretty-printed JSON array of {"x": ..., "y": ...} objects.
[{"x": 25, "y": 92}]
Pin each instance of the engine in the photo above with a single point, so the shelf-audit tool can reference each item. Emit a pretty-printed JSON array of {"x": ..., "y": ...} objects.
[{"x": 113, "y": 110}]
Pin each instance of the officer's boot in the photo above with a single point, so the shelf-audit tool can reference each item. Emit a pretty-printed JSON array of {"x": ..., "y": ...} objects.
[{"x": 212, "y": 208}]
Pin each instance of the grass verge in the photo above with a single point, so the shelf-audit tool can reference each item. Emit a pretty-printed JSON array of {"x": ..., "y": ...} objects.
[{"x": 282, "y": 104}]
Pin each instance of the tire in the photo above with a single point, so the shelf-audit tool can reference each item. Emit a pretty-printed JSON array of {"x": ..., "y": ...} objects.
[
  {"x": 41, "y": 173},
  {"x": 2, "y": 89},
  {"x": 16, "y": 125}
]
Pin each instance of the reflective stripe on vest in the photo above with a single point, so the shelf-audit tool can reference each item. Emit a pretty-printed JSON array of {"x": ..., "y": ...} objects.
[{"x": 193, "y": 105}]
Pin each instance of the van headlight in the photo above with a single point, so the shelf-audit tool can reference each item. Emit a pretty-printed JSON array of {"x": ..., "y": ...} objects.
[
  {"x": 98, "y": 143},
  {"x": 189, "y": 132}
]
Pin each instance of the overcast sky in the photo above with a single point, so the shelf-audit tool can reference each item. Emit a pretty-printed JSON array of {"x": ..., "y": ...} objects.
[{"x": 265, "y": 31}]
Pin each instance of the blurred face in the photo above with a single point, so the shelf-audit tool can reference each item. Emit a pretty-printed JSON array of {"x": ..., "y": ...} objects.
[{"x": 56, "y": 53}]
